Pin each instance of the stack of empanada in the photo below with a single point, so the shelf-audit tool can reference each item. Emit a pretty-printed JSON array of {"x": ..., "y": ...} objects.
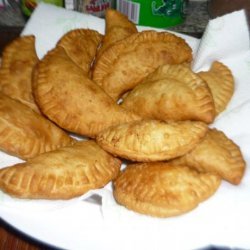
[
  {"x": 135, "y": 95},
  {"x": 71, "y": 99},
  {"x": 172, "y": 92},
  {"x": 122, "y": 66}
]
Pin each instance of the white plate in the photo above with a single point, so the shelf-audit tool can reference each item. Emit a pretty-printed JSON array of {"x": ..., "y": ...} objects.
[{"x": 222, "y": 220}]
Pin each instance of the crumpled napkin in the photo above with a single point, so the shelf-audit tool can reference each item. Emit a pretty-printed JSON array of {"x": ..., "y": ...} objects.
[
  {"x": 48, "y": 23},
  {"x": 224, "y": 38},
  {"x": 224, "y": 219}
]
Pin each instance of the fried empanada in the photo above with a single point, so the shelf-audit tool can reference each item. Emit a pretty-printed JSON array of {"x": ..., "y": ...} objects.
[
  {"x": 172, "y": 92},
  {"x": 61, "y": 174},
  {"x": 81, "y": 46},
  {"x": 163, "y": 190},
  {"x": 72, "y": 100},
  {"x": 24, "y": 133},
  {"x": 126, "y": 63},
  {"x": 152, "y": 140},
  {"x": 18, "y": 60},
  {"x": 118, "y": 27},
  {"x": 216, "y": 154},
  {"x": 221, "y": 82}
]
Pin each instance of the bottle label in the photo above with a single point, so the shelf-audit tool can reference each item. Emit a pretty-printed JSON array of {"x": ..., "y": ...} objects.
[
  {"x": 156, "y": 13},
  {"x": 130, "y": 8},
  {"x": 96, "y": 7}
]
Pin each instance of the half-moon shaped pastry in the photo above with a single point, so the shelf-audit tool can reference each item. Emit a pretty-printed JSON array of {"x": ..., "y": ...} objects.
[
  {"x": 152, "y": 140},
  {"x": 172, "y": 92},
  {"x": 24, "y": 133},
  {"x": 81, "y": 46},
  {"x": 221, "y": 82},
  {"x": 163, "y": 190},
  {"x": 61, "y": 174},
  {"x": 126, "y": 63},
  {"x": 216, "y": 154},
  {"x": 118, "y": 27},
  {"x": 72, "y": 100},
  {"x": 18, "y": 60}
]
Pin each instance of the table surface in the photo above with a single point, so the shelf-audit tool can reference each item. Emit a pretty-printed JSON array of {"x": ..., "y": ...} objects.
[
  {"x": 10, "y": 238},
  {"x": 196, "y": 20}
]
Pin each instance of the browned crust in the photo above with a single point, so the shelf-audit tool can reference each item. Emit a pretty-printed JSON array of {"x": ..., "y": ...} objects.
[
  {"x": 19, "y": 58},
  {"x": 62, "y": 174},
  {"x": 125, "y": 52},
  {"x": 163, "y": 190}
]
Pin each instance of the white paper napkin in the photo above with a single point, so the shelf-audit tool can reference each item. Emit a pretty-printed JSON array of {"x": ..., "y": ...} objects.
[
  {"x": 48, "y": 23},
  {"x": 224, "y": 38},
  {"x": 224, "y": 219}
]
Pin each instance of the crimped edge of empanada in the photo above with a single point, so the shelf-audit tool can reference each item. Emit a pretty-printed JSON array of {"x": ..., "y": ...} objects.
[
  {"x": 93, "y": 35},
  {"x": 236, "y": 160},
  {"x": 236, "y": 163},
  {"x": 109, "y": 57},
  {"x": 35, "y": 142},
  {"x": 41, "y": 185},
  {"x": 13, "y": 46},
  {"x": 89, "y": 33},
  {"x": 198, "y": 86},
  {"x": 139, "y": 199},
  {"x": 225, "y": 93},
  {"x": 9, "y": 50},
  {"x": 42, "y": 87},
  {"x": 7, "y": 56},
  {"x": 134, "y": 151}
]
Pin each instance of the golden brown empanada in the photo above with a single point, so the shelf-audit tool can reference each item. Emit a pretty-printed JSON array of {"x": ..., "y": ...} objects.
[
  {"x": 24, "y": 133},
  {"x": 151, "y": 140},
  {"x": 221, "y": 82},
  {"x": 19, "y": 58},
  {"x": 126, "y": 63},
  {"x": 163, "y": 190},
  {"x": 61, "y": 174},
  {"x": 172, "y": 92},
  {"x": 217, "y": 154},
  {"x": 81, "y": 45},
  {"x": 117, "y": 28},
  {"x": 72, "y": 100}
]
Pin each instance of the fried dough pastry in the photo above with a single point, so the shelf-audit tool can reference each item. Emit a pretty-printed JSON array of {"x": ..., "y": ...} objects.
[
  {"x": 126, "y": 63},
  {"x": 216, "y": 154},
  {"x": 61, "y": 174},
  {"x": 221, "y": 82},
  {"x": 163, "y": 190},
  {"x": 81, "y": 46},
  {"x": 118, "y": 27},
  {"x": 24, "y": 133},
  {"x": 151, "y": 140},
  {"x": 72, "y": 100},
  {"x": 172, "y": 92},
  {"x": 19, "y": 58}
]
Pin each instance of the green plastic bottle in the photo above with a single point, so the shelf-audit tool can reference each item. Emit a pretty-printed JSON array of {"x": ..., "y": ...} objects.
[
  {"x": 156, "y": 13},
  {"x": 29, "y": 5}
]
